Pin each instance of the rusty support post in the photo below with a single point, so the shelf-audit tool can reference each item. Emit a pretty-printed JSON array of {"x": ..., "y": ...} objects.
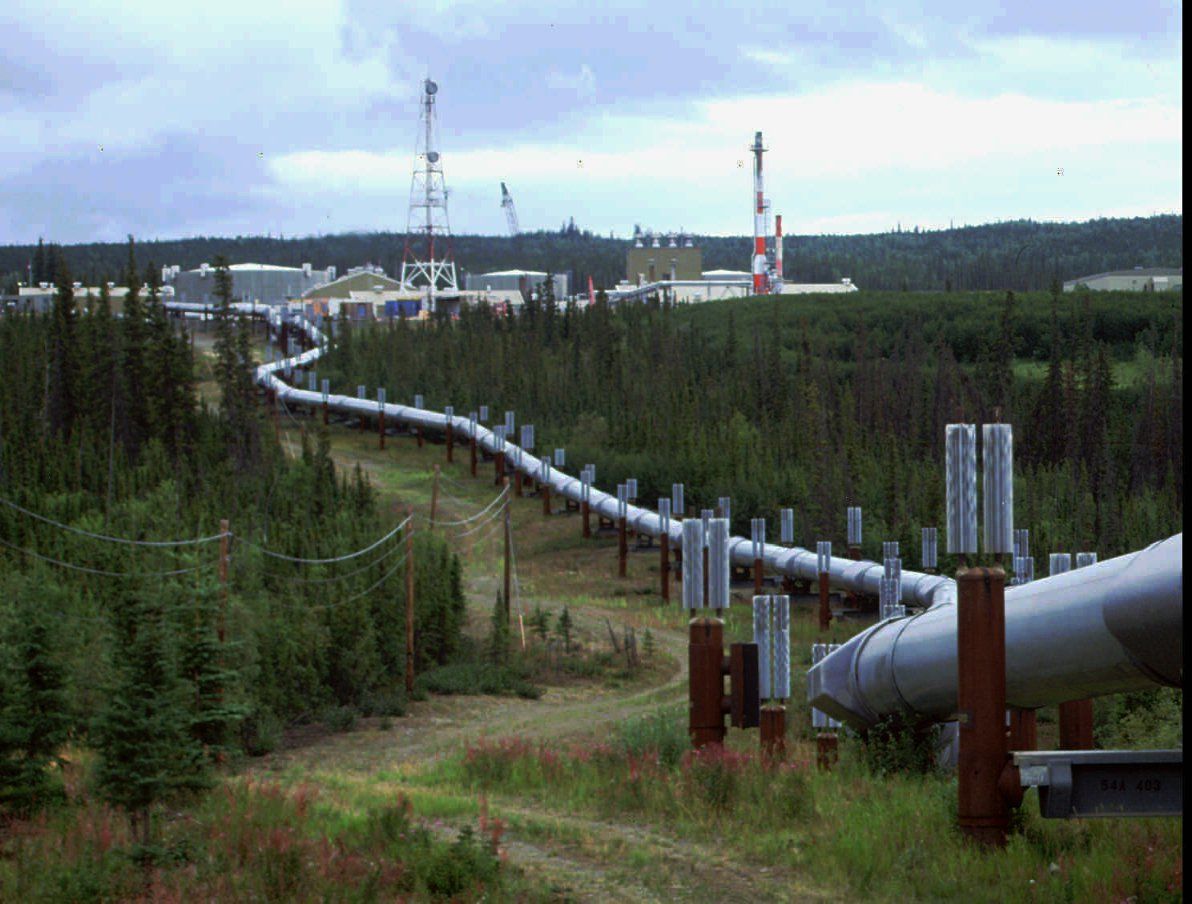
[
  {"x": 705, "y": 661},
  {"x": 546, "y": 512},
  {"x": 622, "y": 548},
  {"x": 1076, "y": 725},
  {"x": 585, "y": 512},
  {"x": 825, "y": 607},
  {"x": 325, "y": 413},
  {"x": 499, "y": 469},
  {"x": 450, "y": 443},
  {"x": 757, "y": 577},
  {"x": 410, "y": 602},
  {"x": 472, "y": 454},
  {"x": 826, "y": 750},
  {"x": 1023, "y": 730},
  {"x": 418, "y": 434},
  {"x": 773, "y": 732},
  {"x": 664, "y": 569},
  {"x": 381, "y": 428},
  {"x": 517, "y": 483},
  {"x": 983, "y": 813},
  {"x": 854, "y": 553}
]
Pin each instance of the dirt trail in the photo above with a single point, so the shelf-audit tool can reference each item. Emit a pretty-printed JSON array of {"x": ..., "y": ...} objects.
[{"x": 580, "y": 858}]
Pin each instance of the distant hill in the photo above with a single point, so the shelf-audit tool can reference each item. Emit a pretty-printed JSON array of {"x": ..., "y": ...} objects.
[{"x": 1021, "y": 254}]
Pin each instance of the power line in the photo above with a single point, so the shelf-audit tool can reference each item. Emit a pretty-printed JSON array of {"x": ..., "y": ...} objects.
[
  {"x": 328, "y": 561},
  {"x": 100, "y": 571},
  {"x": 105, "y": 537}
]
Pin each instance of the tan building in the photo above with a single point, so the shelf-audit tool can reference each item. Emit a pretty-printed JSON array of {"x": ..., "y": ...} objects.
[{"x": 651, "y": 264}]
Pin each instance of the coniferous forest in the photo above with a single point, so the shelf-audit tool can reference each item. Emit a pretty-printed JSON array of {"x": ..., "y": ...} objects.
[
  {"x": 820, "y": 403},
  {"x": 117, "y": 635},
  {"x": 1019, "y": 254}
]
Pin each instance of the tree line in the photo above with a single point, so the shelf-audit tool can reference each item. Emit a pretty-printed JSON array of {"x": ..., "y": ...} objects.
[{"x": 1018, "y": 255}]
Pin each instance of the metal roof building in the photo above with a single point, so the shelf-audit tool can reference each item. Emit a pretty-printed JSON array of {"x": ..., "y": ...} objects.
[
  {"x": 524, "y": 281},
  {"x": 1140, "y": 279},
  {"x": 262, "y": 283}
]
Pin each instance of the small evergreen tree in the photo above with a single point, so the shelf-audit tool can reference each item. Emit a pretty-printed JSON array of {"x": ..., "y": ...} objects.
[
  {"x": 540, "y": 623},
  {"x": 146, "y": 753},
  {"x": 563, "y": 628},
  {"x": 648, "y": 645},
  {"x": 34, "y": 722}
]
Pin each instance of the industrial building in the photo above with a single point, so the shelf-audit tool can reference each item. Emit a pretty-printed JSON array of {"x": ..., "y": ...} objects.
[
  {"x": 40, "y": 299},
  {"x": 1140, "y": 279},
  {"x": 649, "y": 260},
  {"x": 523, "y": 281},
  {"x": 261, "y": 283},
  {"x": 365, "y": 293}
]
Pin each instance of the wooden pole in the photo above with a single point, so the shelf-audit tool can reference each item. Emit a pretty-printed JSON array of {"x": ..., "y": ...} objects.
[
  {"x": 410, "y": 602},
  {"x": 508, "y": 555},
  {"x": 223, "y": 578},
  {"x": 434, "y": 499}
]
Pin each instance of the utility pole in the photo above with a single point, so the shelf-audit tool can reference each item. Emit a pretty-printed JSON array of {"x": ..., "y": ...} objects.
[
  {"x": 224, "y": 534},
  {"x": 508, "y": 552},
  {"x": 410, "y": 601}
]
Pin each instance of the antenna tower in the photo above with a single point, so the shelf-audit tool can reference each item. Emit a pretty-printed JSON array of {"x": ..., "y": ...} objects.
[
  {"x": 428, "y": 232},
  {"x": 510, "y": 212}
]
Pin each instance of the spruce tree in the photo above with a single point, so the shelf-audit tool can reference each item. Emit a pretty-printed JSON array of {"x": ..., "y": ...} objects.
[
  {"x": 146, "y": 753},
  {"x": 63, "y": 403},
  {"x": 563, "y": 628}
]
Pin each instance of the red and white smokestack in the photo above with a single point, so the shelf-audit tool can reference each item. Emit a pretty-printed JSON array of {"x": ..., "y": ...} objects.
[
  {"x": 759, "y": 219},
  {"x": 778, "y": 251}
]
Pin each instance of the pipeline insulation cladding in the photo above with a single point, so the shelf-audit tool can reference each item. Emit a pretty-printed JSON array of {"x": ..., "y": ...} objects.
[
  {"x": 693, "y": 564},
  {"x": 761, "y": 637},
  {"x": 719, "y": 567}
]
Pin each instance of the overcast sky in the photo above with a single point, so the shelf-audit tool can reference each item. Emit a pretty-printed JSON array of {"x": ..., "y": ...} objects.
[{"x": 235, "y": 117}]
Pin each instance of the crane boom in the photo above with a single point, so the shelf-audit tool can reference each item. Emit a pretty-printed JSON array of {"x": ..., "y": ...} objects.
[{"x": 510, "y": 212}]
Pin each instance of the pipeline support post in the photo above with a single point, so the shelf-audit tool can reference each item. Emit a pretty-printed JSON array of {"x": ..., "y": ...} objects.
[
  {"x": 585, "y": 513},
  {"x": 472, "y": 454},
  {"x": 983, "y": 811},
  {"x": 418, "y": 434},
  {"x": 381, "y": 427},
  {"x": 826, "y": 750},
  {"x": 773, "y": 731},
  {"x": 450, "y": 443},
  {"x": 622, "y": 548},
  {"x": 517, "y": 483},
  {"x": 705, "y": 661},
  {"x": 546, "y": 512},
  {"x": 1076, "y": 725},
  {"x": 757, "y": 577},
  {"x": 825, "y": 607},
  {"x": 1023, "y": 729}
]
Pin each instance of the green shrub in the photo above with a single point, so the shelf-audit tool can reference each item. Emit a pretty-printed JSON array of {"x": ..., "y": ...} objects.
[
  {"x": 386, "y": 702},
  {"x": 661, "y": 733},
  {"x": 896, "y": 745},
  {"x": 260, "y": 732},
  {"x": 339, "y": 718},
  {"x": 478, "y": 678}
]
